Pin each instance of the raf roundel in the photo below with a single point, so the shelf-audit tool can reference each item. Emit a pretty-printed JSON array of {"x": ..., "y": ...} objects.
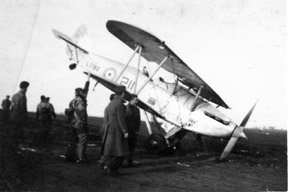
[{"x": 110, "y": 73}]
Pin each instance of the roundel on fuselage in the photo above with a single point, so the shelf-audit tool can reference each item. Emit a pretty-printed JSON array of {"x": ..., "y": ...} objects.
[{"x": 110, "y": 73}]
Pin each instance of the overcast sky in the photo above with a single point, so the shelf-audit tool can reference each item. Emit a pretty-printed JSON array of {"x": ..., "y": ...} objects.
[{"x": 237, "y": 46}]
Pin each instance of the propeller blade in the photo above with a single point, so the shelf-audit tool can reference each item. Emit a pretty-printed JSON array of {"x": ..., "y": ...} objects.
[
  {"x": 229, "y": 147},
  {"x": 236, "y": 134},
  {"x": 245, "y": 120}
]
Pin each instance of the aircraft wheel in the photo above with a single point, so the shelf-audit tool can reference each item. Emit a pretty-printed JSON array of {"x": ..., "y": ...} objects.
[{"x": 155, "y": 144}]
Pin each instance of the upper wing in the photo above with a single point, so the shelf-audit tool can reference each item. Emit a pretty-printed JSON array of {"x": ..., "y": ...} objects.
[{"x": 155, "y": 50}]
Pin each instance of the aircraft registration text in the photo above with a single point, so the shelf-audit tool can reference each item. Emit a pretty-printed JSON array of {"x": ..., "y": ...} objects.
[{"x": 93, "y": 66}]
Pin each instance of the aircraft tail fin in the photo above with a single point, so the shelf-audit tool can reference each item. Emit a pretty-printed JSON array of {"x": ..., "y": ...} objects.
[
  {"x": 238, "y": 132},
  {"x": 80, "y": 33},
  {"x": 76, "y": 38}
]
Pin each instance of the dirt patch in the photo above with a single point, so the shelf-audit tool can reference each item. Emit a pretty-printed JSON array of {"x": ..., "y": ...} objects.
[{"x": 256, "y": 164}]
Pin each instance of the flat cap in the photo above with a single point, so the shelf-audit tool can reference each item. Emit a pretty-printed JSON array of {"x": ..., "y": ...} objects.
[
  {"x": 120, "y": 89},
  {"x": 24, "y": 84}
]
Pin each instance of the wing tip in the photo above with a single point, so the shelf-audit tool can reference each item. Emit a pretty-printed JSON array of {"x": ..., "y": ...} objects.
[{"x": 56, "y": 33}]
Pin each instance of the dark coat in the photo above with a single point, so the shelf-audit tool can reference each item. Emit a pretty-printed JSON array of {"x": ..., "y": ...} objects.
[
  {"x": 114, "y": 143},
  {"x": 133, "y": 119},
  {"x": 19, "y": 107},
  {"x": 42, "y": 111},
  {"x": 6, "y": 103}
]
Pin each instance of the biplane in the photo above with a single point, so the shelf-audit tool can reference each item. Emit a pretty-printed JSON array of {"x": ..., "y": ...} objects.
[{"x": 186, "y": 104}]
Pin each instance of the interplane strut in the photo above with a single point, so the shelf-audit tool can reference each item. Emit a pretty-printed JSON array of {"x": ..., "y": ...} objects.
[{"x": 160, "y": 65}]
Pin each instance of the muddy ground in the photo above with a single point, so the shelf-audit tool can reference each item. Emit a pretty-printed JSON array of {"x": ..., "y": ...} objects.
[{"x": 256, "y": 164}]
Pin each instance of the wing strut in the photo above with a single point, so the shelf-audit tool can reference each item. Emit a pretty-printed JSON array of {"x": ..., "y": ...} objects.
[
  {"x": 76, "y": 56},
  {"x": 160, "y": 65},
  {"x": 192, "y": 108},
  {"x": 176, "y": 81},
  {"x": 138, "y": 67},
  {"x": 175, "y": 88},
  {"x": 148, "y": 125},
  {"x": 138, "y": 46}
]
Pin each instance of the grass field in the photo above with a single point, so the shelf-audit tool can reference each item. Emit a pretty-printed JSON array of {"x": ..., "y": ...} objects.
[{"x": 256, "y": 164}]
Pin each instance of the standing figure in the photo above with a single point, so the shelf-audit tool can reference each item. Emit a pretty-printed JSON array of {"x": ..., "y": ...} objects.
[
  {"x": 51, "y": 108},
  {"x": 133, "y": 124},
  {"x": 43, "y": 115},
  {"x": 6, "y": 103},
  {"x": 114, "y": 142},
  {"x": 102, "y": 131},
  {"x": 19, "y": 113},
  {"x": 78, "y": 118}
]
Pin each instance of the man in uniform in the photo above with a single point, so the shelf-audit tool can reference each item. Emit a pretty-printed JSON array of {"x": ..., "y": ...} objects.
[
  {"x": 133, "y": 124},
  {"x": 79, "y": 120},
  {"x": 102, "y": 131},
  {"x": 43, "y": 115},
  {"x": 6, "y": 103},
  {"x": 114, "y": 142},
  {"x": 19, "y": 113}
]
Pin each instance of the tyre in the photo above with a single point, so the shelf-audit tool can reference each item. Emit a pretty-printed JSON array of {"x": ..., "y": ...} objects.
[{"x": 155, "y": 144}]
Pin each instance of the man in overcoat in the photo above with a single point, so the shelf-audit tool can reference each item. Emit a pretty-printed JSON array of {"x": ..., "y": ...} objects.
[{"x": 114, "y": 143}]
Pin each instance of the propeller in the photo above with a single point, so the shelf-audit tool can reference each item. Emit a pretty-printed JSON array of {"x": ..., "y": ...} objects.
[{"x": 236, "y": 134}]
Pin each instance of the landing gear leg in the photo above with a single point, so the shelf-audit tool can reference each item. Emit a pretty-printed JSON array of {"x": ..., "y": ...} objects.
[{"x": 198, "y": 142}]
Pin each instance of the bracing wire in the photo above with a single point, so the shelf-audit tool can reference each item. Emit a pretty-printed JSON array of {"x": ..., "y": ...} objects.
[{"x": 28, "y": 45}]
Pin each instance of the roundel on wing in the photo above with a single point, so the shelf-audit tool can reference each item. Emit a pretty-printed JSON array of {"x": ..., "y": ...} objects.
[{"x": 110, "y": 73}]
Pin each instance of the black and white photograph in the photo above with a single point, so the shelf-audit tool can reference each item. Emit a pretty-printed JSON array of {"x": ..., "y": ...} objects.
[{"x": 147, "y": 95}]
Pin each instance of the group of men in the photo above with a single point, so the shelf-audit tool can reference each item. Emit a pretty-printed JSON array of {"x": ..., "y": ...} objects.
[
  {"x": 15, "y": 111},
  {"x": 121, "y": 124},
  {"x": 119, "y": 131},
  {"x": 44, "y": 113}
]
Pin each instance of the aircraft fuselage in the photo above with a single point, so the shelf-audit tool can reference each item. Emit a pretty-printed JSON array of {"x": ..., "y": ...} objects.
[{"x": 170, "y": 100}]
